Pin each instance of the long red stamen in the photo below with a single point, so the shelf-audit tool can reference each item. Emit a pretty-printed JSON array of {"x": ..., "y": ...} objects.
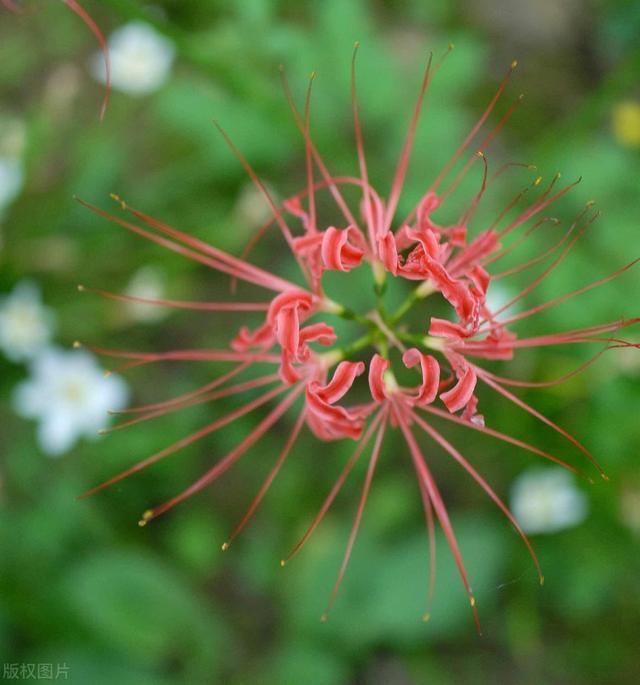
[
  {"x": 505, "y": 438},
  {"x": 405, "y": 154},
  {"x": 329, "y": 179},
  {"x": 472, "y": 134},
  {"x": 554, "y": 264},
  {"x": 431, "y": 534},
  {"x": 482, "y": 147},
  {"x": 362, "y": 162},
  {"x": 186, "y": 396},
  {"x": 228, "y": 460},
  {"x": 180, "y": 304},
  {"x": 487, "y": 378},
  {"x": 184, "y": 355},
  {"x": 562, "y": 298},
  {"x": 541, "y": 204},
  {"x": 497, "y": 256},
  {"x": 200, "y": 399},
  {"x": 308, "y": 157},
  {"x": 335, "y": 489},
  {"x": 451, "y": 450},
  {"x": 441, "y": 512},
  {"x": 219, "y": 261},
  {"x": 268, "y": 480},
  {"x": 259, "y": 275},
  {"x": 93, "y": 27},
  {"x": 358, "y": 517},
  {"x": 189, "y": 439}
]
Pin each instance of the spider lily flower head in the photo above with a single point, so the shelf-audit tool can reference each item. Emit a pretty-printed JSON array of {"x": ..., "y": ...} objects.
[{"x": 309, "y": 367}]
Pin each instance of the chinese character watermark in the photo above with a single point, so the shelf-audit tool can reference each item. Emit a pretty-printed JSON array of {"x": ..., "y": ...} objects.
[{"x": 35, "y": 671}]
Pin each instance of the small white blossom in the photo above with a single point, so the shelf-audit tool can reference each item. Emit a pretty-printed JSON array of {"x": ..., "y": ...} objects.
[
  {"x": 497, "y": 296},
  {"x": 12, "y": 141},
  {"x": 11, "y": 180},
  {"x": 25, "y": 323},
  {"x": 546, "y": 500},
  {"x": 148, "y": 283},
  {"x": 69, "y": 395},
  {"x": 141, "y": 59}
]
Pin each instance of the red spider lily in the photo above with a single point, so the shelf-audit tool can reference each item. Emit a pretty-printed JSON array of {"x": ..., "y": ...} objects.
[
  {"x": 446, "y": 355},
  {"x": 76, "y": 7}
]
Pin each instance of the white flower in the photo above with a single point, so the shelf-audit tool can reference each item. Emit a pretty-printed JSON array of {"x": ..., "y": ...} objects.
[
  {"x": 12, "y": 141},
  {"x": 147, "y": 283},
  {"x": 546, "y": 500},
  {"x": 25, "y": 323},
  {"x": 141, "y": 59},
  {"x": 11, "y": 179},
  {"x": 70, "y": 396},
  {"x": 497, "y": 296}
]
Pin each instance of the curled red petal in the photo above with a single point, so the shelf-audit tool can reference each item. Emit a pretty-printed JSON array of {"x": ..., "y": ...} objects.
[
  {"x": 377, "y": 366},
  {"x": 338, "y": 249},
  {"x": 428, "y": 390},
  {"x": 388, "y": 252},
  {"x": 443, "y": 328},
  {"x": 319, "y": 332},
  {"x": 261, "y": 338},
  {"x": 325, "y": 419},
  {"x": 462, "y": 391}
]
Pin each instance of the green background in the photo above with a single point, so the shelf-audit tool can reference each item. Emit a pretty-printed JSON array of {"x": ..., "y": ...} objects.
[{"x": 81, "y": 583}]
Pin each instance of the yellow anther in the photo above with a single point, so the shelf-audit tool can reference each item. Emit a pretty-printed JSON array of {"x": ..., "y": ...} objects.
[
  {"x": 514, "y": 64},
  {"x": 225, "y": 546},
  {"x": 472, "y": 600},
  {"x": 324, "y": 618},
  {"x": 146, "y": 517},
  {"x": 77, "y": 344},
  {"x": 119, "y": 200},
  {"x": 426, "y": 617}
]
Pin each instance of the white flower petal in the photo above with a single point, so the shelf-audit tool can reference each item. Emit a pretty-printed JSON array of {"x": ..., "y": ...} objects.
[
  {"x": 141, "y": 59},
  {"x": 70, "y": 396},
  {"x": 547, "y": 500},
  {"x": 57, "y": 434},
  {"x": 26, "y": 324}
]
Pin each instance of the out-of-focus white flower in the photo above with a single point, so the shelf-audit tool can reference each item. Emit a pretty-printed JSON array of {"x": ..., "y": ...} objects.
[
  {"x": 497, "y": 296},
  {"x": 11, "y": 179},
  {"x": 12, "y": 140},
  {"x": 546, "y": 500},
  {"x": 147, "y": 283},
  {"x": 25, "y": 323},
  {"x": 141, "y": 59},
  {"x": 69, "y": 395}
]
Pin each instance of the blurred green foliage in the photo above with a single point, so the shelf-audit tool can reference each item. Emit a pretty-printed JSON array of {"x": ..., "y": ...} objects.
[{"x": 81, "y": 583}]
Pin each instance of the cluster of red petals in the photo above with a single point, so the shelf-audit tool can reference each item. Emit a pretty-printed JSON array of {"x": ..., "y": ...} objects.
[{"x": 421, "y": 251}]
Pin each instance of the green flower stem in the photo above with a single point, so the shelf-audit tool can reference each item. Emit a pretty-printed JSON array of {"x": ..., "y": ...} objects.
[{"x": 420, "y": 293}]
